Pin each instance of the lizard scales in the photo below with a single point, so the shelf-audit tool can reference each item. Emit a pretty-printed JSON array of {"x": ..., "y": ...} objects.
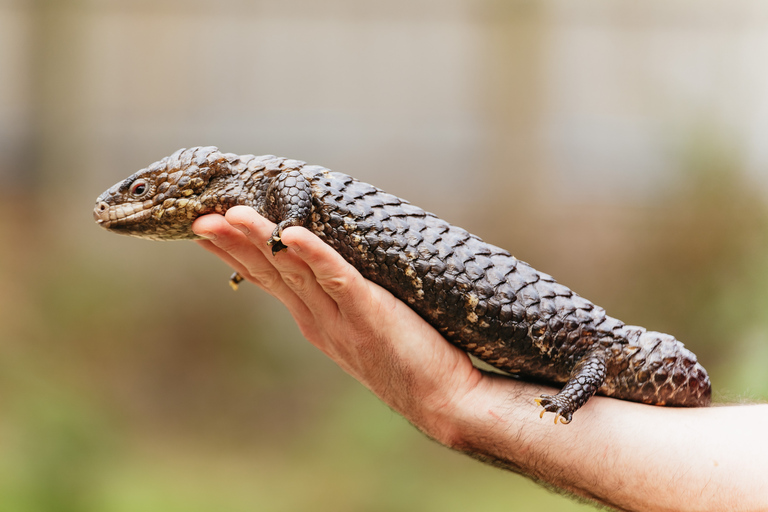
[{"x": 477, "y": 295}]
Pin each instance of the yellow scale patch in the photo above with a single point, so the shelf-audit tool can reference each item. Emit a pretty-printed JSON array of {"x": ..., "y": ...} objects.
[{"x": 472, "y": 302}]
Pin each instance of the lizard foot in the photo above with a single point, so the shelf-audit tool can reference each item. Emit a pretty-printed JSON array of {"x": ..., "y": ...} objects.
[
  {"x": 586, "y": 377},
  {"x": 276, "y": 244},
  {"x": 235, "y": 280},
  {"x": 559, "y": 405},
  {"x": 275, "y": 241}
]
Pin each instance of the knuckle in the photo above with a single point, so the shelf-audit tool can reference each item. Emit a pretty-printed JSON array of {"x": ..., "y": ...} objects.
[
  {"x": 294, "y": 280},
  {"x": 340, "y": 285},
  {"x": 335, "y": 285},
  {"x": 225, "y": 243},
  {"x": 265, "y": 278}
]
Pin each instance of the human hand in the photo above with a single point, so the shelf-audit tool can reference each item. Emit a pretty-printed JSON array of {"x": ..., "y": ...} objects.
[{"x": 368, "y": 332}]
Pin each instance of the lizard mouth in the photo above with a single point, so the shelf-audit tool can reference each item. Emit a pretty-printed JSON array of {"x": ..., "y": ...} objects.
[{"x": 119, "y": 216}]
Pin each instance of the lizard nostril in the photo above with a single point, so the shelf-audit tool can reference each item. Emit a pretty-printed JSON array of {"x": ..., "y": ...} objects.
[{"x": 101, "y": 212}]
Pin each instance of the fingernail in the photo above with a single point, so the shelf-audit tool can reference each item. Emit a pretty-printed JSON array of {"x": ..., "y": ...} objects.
[
  {"x": 207, "y": 236},
  {"x": 242, "y": 228}
]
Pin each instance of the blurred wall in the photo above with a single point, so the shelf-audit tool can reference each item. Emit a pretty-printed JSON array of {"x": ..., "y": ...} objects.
[{"x": 619, "y": 147}]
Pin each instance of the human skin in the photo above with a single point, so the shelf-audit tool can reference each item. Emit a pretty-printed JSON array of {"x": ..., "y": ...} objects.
[{"x": 622, "y": 454}]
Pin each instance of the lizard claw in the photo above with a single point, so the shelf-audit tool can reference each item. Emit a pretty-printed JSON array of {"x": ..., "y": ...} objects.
[
  {"x": 275, "y": 241},
  {"x": 556, "y": 405},
  {"x": 235, "y": 280},
  {"x": 276, "y": 244}
]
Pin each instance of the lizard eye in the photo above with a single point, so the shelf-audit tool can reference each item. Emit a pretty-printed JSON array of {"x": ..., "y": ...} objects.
[{"x": 139, "y": 188}]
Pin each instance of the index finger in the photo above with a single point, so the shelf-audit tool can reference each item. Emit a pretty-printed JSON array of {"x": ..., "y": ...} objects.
[{"x": 340, "y": 280}]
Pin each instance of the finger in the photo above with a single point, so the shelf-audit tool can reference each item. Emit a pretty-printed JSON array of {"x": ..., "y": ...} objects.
[
  {"x": 293, "y": 270},
  {"x": 237, "y": 250},
  {"x": 224, "y": 256},
  {"x": 237, "y": 247},
  {"x": 340, "y": 280}
]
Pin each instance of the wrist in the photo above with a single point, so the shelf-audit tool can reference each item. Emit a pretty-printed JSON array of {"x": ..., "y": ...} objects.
[{"x": 490, "y": 413}]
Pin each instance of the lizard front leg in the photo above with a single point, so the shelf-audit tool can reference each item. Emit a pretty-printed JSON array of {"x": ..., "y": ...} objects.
[
  {"x": 586, "y": 377},
  {"x": 288, "y": 203}
]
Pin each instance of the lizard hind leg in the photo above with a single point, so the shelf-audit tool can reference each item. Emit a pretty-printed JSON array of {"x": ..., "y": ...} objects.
[{"x": 585, "y": 379}]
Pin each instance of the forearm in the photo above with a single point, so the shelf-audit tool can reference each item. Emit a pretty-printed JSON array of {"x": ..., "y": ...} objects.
[{"x": 626, "y": 455}]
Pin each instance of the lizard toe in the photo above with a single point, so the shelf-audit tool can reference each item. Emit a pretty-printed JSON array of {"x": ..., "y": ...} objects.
[{"x": 561, "y": 406}]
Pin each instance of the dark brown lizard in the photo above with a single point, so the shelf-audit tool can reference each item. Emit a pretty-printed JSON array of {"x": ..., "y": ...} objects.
[{"x": 478, "y": 296}]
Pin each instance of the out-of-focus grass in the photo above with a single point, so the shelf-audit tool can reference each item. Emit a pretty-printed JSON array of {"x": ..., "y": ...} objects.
[{"x": 59, "y": 453}]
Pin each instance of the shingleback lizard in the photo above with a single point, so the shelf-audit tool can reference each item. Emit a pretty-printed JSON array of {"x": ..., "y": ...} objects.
[{"x": 476, "y": 295}]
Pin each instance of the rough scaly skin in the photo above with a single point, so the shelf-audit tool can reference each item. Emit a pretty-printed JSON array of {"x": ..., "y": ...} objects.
[{"x": 477, "y": 295}]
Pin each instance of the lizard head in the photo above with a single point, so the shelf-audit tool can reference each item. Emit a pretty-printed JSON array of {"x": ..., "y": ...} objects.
[{"x": 161, "y": 201}]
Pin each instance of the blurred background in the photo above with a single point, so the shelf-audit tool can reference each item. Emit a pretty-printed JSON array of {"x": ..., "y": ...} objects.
[{"x": 620, "y": 146}]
